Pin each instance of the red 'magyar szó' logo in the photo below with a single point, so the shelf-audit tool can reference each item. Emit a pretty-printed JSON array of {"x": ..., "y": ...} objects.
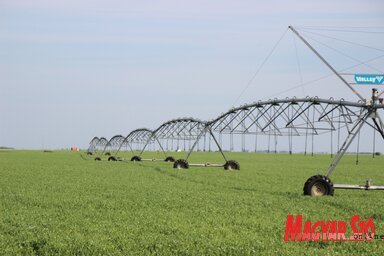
[{"x": 329, "y": 230}]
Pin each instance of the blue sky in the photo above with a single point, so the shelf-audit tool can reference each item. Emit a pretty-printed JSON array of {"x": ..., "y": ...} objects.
[{"x": 71, "y": 70}]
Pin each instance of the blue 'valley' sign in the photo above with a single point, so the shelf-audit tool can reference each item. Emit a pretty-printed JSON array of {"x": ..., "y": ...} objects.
[{"x": 369, "y": 79}]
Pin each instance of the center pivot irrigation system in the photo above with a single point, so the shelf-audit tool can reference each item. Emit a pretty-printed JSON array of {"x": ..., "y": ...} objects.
[
  {"x": 97, "y": 145},
  {"x": 92, "y": 145},
  {"x": 366, "y": 114},
  {"x": 180, "y": 131},
  {"x": 319, "y": 185},
  {"x": 112, "y": 145},
  {"x": 118, "y": 142},
  {"x": 278, "y": 117}
]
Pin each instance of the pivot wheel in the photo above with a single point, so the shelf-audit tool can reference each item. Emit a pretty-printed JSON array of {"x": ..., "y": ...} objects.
[
  {"x": 136, "y": 158},
  {"x": 89, "y": 153},
  {"x": 112, "y": 158},
  {"x": 107, "y": 154},
  {"x": 231, "y": 165},
  {"x": 97, "y": 159},
  {"x": 318, "y": 185},
  {"x": 181, "y": 164},
  {"x": 169, "y": 159}
]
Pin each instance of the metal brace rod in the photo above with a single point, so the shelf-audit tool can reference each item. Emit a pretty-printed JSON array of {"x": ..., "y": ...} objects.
[
  {"x": 351, "y": 136},
  {"x": 129, "y": 145},
  {"x": 288, "y": 118},
  {"x": 146, "y": 144},
  {"x": 118, "y": 150},
  {"x": 297, "y": 114},
  {"x": 267, "y": 117},
  {"x": 165, "y": 154},
  {"x": 217, "y": 144},
  {"x": 325, "y": 118},
  {"x": 379, "y": 129},
  {"x": 259, "y": 115},
  {"x": 232, "y": 119},
  {"x": 325, "y": 62},
  {"x": 362, "y": 187},
  {"x": 245, "y": 116},
  {"x": 196, "y": 141},
  {"x": 199, "y": 137},
  {"x": 275, "y": 116}
]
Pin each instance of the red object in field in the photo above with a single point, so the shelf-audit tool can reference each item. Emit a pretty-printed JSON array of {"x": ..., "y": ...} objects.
[{"x": 75, "y": 149}]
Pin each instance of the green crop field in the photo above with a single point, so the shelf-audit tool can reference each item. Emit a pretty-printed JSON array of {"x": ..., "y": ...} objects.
[{"x": 57, "y": 203}]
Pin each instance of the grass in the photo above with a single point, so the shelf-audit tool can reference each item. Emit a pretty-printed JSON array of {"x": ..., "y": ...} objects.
[{"x": 56, "y": 203}]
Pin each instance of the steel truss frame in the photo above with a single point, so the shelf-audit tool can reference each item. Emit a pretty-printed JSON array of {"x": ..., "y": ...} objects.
[
  {"x": 186, "y": 129},
  {"x": 322, "y": 185},
  {"x": 99, "y": 146},
  {"x": 278, "y": 117},
  {"x": 92, "y": 145},
  {"x": 112, "y": 145},
  {"x": 369, "y": 112},
  {"x": 138, "y": 136},
  {"x": 288, "y": 117},
  {"x": 307, "y": 116}
]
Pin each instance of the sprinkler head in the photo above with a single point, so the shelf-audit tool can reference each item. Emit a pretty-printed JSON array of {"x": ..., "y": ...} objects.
[{"x": 375, "y": 93}]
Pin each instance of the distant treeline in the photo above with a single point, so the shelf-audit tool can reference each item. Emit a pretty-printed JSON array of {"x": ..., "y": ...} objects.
[{"x": 6, "y": 148}]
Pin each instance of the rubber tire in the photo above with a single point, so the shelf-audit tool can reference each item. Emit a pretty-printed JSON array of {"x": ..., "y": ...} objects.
[
  {"x": 320, "y": 180},
  {"x": 181, "y": 164},
  {"x": 89, "y": 153},
  {"x": 169, "y": 159},
  {"x": 136, "y": 158},
  {"x": 97, "y": 159},
  {"x": 112, "y": 158},
  {"x": 232, "y": 165},
  {"x": 107, "y": 154}
]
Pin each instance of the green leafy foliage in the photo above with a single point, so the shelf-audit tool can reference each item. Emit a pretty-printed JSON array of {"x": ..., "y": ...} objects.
[{"x": 58, "y": 203}]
